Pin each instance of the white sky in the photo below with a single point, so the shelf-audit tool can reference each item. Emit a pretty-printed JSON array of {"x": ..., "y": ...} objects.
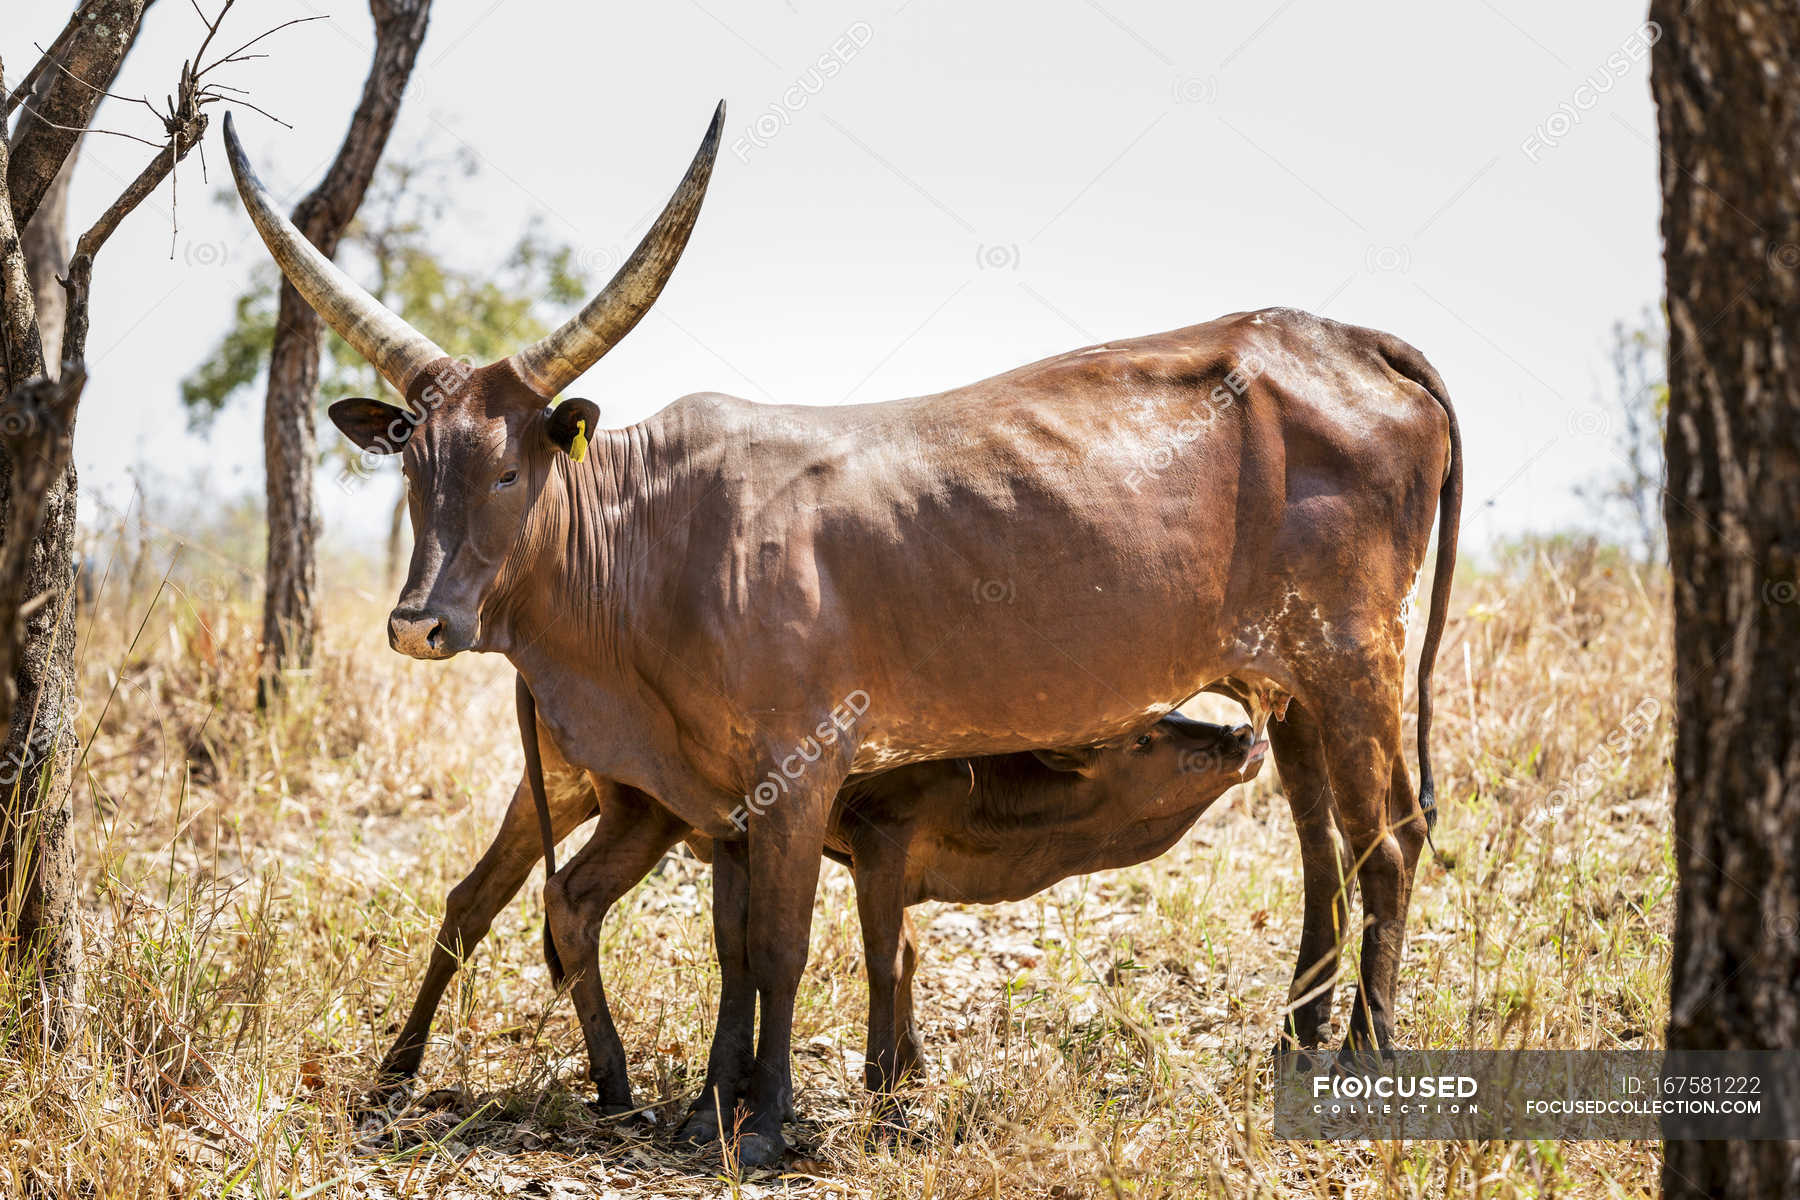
[{"x": 980, "y": 185}]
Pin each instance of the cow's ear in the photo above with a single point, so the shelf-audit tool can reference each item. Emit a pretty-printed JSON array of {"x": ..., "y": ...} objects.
[
  {"x": 1075, "y": 761},
  {"x": 376, "y": 427},
  {"x": 570, "y": 425}
]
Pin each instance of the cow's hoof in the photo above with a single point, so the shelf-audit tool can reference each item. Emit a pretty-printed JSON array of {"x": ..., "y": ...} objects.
[
  {"x": 700, "y": 1129},
  {"x": 384, "y": 1100},
  {"x": 1289, "y": 1058},
  {"x": 1357, "y": 1057},
  {"x": 601, "y": 1108},
  {"x": 893, "y": 1124},
  {"x": 756, "y": 1150}
]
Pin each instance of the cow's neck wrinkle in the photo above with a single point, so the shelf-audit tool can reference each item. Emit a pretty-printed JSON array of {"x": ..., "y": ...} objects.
[{"x": 585, "y": 595}]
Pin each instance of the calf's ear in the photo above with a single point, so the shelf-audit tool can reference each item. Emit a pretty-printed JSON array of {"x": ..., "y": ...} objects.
[
  {"x": 1077, "y": 760},
  {"x": 571, "y": 423},
  {"x": 376, "y": 427}
]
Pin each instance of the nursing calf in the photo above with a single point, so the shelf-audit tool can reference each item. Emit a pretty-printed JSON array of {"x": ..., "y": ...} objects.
[
  {"x": 973, "y": 830},
  {"x": 989, "y": 830}
]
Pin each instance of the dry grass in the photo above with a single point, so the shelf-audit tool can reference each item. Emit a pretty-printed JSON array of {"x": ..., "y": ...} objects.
[{"x": 260, "y": 896}]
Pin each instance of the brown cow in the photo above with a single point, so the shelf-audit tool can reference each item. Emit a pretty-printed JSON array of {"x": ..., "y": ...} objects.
[{"x": 1043, "y": 558}]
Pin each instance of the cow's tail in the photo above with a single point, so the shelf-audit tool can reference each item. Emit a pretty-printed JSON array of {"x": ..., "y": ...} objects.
[
  {"x": 1410, "y": 363},
  {"x": 534, "y": 778}
]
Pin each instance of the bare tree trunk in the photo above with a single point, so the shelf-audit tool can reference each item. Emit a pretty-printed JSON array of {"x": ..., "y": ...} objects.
[
  {"x": 1726, "y": 77},
  {"x": 46, "y": 243},
  {"x": 37, "y": 515},
  {"x": 290, "y": 447}
]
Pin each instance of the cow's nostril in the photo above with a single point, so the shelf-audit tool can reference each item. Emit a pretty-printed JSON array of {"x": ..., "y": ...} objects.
[{"x": 435, "y": 639}]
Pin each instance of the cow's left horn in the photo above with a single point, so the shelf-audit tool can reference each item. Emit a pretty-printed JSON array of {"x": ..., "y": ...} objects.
[
  {"x": 552, "y": 364},
  {"x": 395, "y": 348}
]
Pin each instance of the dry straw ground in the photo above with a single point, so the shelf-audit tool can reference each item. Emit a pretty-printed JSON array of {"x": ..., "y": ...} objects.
[{"x": 260, "y": 895}]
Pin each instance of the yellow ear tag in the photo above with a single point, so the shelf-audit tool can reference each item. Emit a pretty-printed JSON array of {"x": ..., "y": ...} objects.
[{"x": 578, "y": 445}]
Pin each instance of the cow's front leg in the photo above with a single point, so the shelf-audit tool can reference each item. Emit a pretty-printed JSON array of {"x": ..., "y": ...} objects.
[
  {"x": 632, "y": 834},
  {"x": 728, "y": 1062},
  {"x": 785, "y": 845}
]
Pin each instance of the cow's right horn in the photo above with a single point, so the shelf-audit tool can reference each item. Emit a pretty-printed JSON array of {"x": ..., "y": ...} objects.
[
  {"x": 550, "y": 365},
  {"x": 395, "y": 348}
]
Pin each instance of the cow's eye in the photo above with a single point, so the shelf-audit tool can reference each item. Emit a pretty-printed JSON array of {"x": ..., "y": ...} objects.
[
  {"x": 1143, "y": 741},
  {"x": 507, "y": 479}
]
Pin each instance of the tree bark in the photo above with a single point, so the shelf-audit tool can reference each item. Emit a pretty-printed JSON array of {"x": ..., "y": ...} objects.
[
  {"x": 50, "y": 122},
  {"x": 290, "y": 446},
  {"x": 46, "y": 244},
  {"x": 38, "y": 517},
  {"x": 1726, "y": 78},
  {"x": 37, "y": 849},
  {"x": 38, "y": 696}
]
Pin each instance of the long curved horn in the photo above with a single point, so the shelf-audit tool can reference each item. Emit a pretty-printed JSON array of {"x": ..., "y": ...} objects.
[
  {"x": 395, "y": 348},
  {"x": 552, "y": 364}
]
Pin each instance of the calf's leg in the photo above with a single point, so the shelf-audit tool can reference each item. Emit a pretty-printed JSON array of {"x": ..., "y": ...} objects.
[
  {"x": 908, "y": 1049},
  {"x": 633, "y": 832},
  {"x": 470, "y": 909},
  {"x": 887, "y": 954}
]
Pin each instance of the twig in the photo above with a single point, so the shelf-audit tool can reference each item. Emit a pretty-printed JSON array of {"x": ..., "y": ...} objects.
[
  {"x": 212, "y": 27},
  {"x": 143, "y": 100},
  {"x": 86, "y": 129},
  {"x": 233, "y": 56},
  {"x": 81, "y": 262}
]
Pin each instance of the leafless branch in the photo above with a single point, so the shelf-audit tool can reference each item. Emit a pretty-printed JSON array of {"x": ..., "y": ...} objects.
[
  {"x": 84, "y": 129},
  {"x": 238, "y": 54},
  {"x": 143, "y": 100}
]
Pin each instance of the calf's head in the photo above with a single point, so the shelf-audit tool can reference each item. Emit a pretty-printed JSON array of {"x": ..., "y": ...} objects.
[
  {"x": 479, "y": 446},
  {"x": 1178, "y": 762}
]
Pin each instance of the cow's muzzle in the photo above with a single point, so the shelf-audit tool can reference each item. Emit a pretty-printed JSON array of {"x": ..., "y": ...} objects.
[{"x": 422, "y": 634}]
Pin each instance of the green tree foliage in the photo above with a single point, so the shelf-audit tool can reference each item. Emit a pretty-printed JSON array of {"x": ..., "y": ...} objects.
[{"x": 474, "y": 312}]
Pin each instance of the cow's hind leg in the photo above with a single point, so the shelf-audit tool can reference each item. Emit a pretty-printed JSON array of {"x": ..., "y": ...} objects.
[
  {"x": 1387, "y": 876},
  {"x": 1359, "y": 723},
  {"x": 1328, "y": 875},
  {"x": 632, "y": 834},
  {"x": 472, "y": 904}
]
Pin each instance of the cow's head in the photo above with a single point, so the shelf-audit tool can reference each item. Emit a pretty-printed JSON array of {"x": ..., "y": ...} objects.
[{"x": 477, "y": 444}]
